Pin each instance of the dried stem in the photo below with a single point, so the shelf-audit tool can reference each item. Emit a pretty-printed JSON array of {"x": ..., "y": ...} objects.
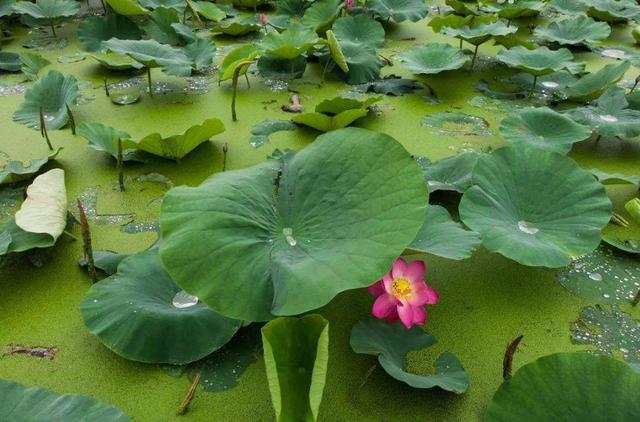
[
  {"x": 507, "y": 362},
  {"x": 182, "y": 408},
  {"x": 86, "y": 241}
]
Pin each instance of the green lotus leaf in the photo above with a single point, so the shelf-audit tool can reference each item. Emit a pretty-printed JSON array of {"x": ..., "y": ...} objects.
[
  {"x": 391, "y": 343},
  {"x": 433, "y": 58},
  {"x": 325, "y": 123},
  {"x": 261, "y": 131},
  {"x": 6, "y": 7},
  {"x": 235, "y": 58},
  {"x": 248, "y": 4},
  {"x": 615, "y": 178},
  {"x": 399, "y": 10},
  {"x": 540, "y": 61},
  {"x": 454, "y": 123},
  {"x": 480, "y": 32},
  {"x": 44, "y": 211},
  {"x": 572, "y": 386},
  {"x": 337, "y": 105},
  {"x": 635, "y": 33},
  {"x": 536, "y": 207},
  {"x": 207, "y": 10},
  {"x": 103, "y": 138},
  {"x": 336, "y": 52},
  {"x": 451, "y": 173},
  {"x": 602, "y": 276},
  {"x": 141, "y": 314},
  {"x": 127, "y": 7},
  {"x": 358, "y": 37},
  {"x": 14, "y": 239},
  {"x": 289, "y": 43},
  {"x": 439, "y": 22},
  {"x": 515, "y": 9},
  {"x": 460, "y": 8},
  {"x": 32, "y": 63},
  {"x": 274, "y": 67},
  {"x": 296, "y": 354},
  {"x": 594, "y": 84},
  {"x": 320, "y": 16},
  {"x": 290, "y": 252},
  {"x": 609, "y": 116},
  {"x": 513, "y": 40},
  {"x": 200, "y": 52},
  {"x": 47, "y": 9},
  {"x": 177, "y": 5},
  {"x": 543, "y": 128},
  {"x": 577, "y": 30},
  {"x": 16, "y": 171},
  {"x": 441, "y": 236},
  {"x": 159, "y": 26},
  {"x": 292, "y": 8},
  {"x": 633, "y": 98},
  {"x": 105, "y": 261},
  {"x": 116, "y": 61},
  {"x": 236, "y": 27},
  {"x": 95, "y": 29},
  {"x": 152, "y": 54},
  {"x": 613, "y": 10},
  {"x": 9, "y": 61},
  {"x": 569, "y": 7},
  {"x": 34, "y": 404},
  {"x": 176, "y": 147},
  {"x": 390, "y": 85},
  {"x": 51, "y": 94}
]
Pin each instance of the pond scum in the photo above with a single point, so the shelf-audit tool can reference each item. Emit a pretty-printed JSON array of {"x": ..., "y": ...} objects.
[{"x": 320, "y": 210}]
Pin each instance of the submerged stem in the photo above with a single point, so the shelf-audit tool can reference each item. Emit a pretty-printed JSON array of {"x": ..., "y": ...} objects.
[
  {"x": 53, "y": 28},
  {"x": 184, "y": 405},
  {"x": 72, "y": 121},
  {"x": 225, "y": 150},
  {"x": 86, "y": 241},
  {"x": 475, "y": 54},
  {"x": 120, "y": 166},
  {"x": 149, "y": 81},
  {"x": 43, "y": 130},
  {"x": 635, "y": 84},
  {"x": 507, "y": 362},
  {"x": 234, "y": 84},
  {"x": 106, "y": 88},
  {"x": 533, "y": 86}
]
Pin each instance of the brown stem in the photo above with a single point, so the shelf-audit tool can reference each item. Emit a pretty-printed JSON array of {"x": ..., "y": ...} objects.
[
  {"x": 507, "y": 362},
  {"x": 234, "y": 84},
  {"x": 184, "y": 405},
  {"x": 86, "y": 241}
]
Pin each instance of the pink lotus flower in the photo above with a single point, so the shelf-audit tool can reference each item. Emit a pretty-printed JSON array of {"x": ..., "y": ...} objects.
[
  {"x": 348, "y": 4},
  {"x": 402, "y": 293},
  {"x": 263, "y": 19}
]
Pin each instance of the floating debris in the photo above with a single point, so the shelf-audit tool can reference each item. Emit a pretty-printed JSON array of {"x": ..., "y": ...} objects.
[
  {"x": 454, "y": 123},
  {"x": 34, "y": 351}
]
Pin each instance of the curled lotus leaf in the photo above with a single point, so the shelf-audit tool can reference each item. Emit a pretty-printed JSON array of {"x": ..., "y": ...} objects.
[{"x": 576, "y": 30}]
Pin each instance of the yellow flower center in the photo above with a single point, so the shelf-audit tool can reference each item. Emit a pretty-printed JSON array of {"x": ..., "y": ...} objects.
[{"x": 401, "y": 288}]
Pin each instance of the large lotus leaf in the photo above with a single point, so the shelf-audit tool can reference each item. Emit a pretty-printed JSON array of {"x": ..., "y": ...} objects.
[
  {"x": 207, "y": 10},
  {"x": 359, "y": 29},
  {"x": 296, "y": 354},
  {"x": 153, "y": 54},
  {"x": 105, "y": 261},
  {"x": 451, "y": 173},
  {"x": 6, "y": 7},
  {"x": 399, "y": 10},
  {"x": 363, "y": 62},
  {"x": 289, "y": 43},
  {"x": 613, "y": 10},
  {"x": 31, "y": 64},
  {"x": 16, "y": 171},
  {"x": 603, "y": 276},
  {"x": 159, "y": 26},
  {"x": 201, "y": 53},
  {"x": 280, "y": 248},
  {"x": 336, "y": 52},
  {"x": 9, "y": 61},
  {"x": 52, "y": 94},
  {"x": 47, "y": 9},
  {"x": 34, "y": 404},
  {"x": 441, "y": 236},
  {"x": 568, "y": 387},
  {"x": 391, "y": 343},
  {"x": 44, "y": 210},
  {"x": 337, "y": 105},
  {"x": 437, "y": 23},
  {"x": 95, "y": 29},
  {"x": 536, "y": 207},
  {"x": 543, "y": 128},
  {"x": 594, "y": 84},
  {"x": 103, "y": 138},
  {"x": 140, "y": 314},
  {"x": 321, "y": 14},
  {"x": 292, "y": 8},
  {"x": 460, "y": 8},
  {"x": 572, "y": 31},
  {"x": 610, "y": 115},
  {"x": 116, "y": 61},
  {"x": 236, "y": 27},
  {"x": 14, "y": 239},
  {"x": 390, "y": 85},
  {"x": 177, "y": 146},
  {"x": 540, "y": 61},
  {"x": 235, "y": 58},
  {"x": 569, "y": 7},
  {"x": 127, "y": 7},
  {"x": 326, "y": 123},
  {"x": 177, "y": 5},
  {"x": 515, "y": 9},
  {"x": 261, "y": 131},
  {"x": 615, "y": 178},
  {"x": 248, "y": 4},
  {"x": 479, "y": 33},
  {"x": 433, "y": 58},
  {"x": 274, "y": 67}
]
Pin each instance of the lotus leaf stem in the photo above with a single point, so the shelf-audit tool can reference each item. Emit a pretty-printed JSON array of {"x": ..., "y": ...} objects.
[
  {"x": 86, "y": 241},
  {"x": 149, "y": 81},
  {"x": 184, "y": 405},
  {"x": 234, "y": 83},
  {"x": 507, "y": 362},
  {"x": 43, "y": 130},
  {"x": 120, "y": 166}
]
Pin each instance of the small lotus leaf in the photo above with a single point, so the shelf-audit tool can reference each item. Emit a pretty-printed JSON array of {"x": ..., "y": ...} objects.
[
  {"x": 9, "y": 61},
  {"x": 610, "y": 115},
  {"x": 32, "y": 63},
  {"x": 540, "y": 61},
  {"x": 480, "y": 32},
  {"x": 153, "y": 54},
  {"x": 399, "y": 10},
  {"x": 16, "y": 171},
  {"x": 127, "y": 7},
  {"x": 451, "y": 173},
  {"x": 289, "y": 43},
  {"x": 95, "y": 29},
  {"x": 594, "y": 84},
  {"x": 159, "y": 26},
  {"x": 320, "y": 16},
  {"x": 236, "y": 27},
  {"x": 235, "y": 58},
  {"x": 47, "y": 9},
  {"x": 44, "y": 211},
  {"x": 613, "y": 10},
  {"x": 577, "y": 30},
  {"x": 433, "y": 58}
]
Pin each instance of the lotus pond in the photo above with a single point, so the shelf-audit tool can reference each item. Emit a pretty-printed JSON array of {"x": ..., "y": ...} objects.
[{"x": 298, "y": 210}]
